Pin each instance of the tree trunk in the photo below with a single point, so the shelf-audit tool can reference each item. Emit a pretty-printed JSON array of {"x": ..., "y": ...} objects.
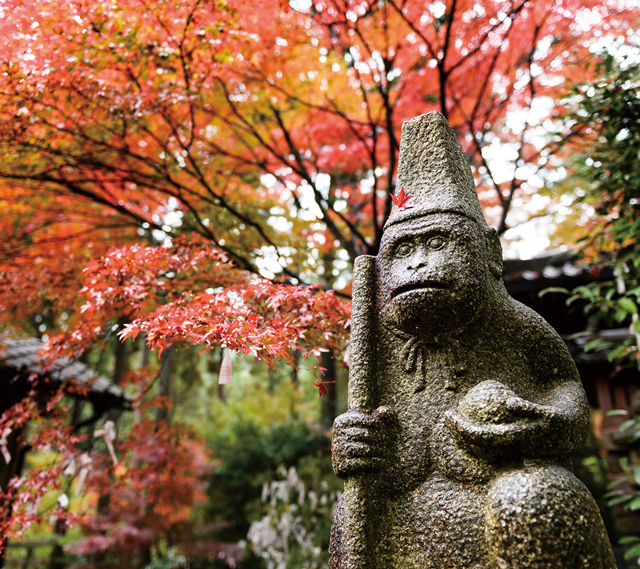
[
  {"x": 328, "y": 362},
  {"x": 120, "y": 366},
  {"x": 294, "y": 373},
  {"x": 145, "y": 355},
  {"x": 164, "y": 383},
  {"x": 57, "y": 553}
]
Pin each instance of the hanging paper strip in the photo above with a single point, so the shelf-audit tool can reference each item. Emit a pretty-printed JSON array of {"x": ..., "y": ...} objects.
[{"x": 225, "y": 369}]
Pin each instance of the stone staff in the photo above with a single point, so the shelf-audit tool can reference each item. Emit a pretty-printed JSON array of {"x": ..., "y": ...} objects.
[{"x": 357, "y": 538}]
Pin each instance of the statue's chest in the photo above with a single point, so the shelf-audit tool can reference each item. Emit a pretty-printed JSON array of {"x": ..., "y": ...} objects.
[
  {"x": 421, "y": 394},
  {"x": 424, "y": 378}
]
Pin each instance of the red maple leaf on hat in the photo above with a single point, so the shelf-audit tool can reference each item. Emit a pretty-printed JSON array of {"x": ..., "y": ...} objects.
[{"x": 401, "y": 199}]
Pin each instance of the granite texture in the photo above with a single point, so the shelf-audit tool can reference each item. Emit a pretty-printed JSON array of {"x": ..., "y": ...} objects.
[{"x": 464, "y": 405}]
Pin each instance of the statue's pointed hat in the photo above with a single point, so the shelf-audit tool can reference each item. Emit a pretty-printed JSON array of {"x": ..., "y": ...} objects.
[{"x": 433, "y": 168}]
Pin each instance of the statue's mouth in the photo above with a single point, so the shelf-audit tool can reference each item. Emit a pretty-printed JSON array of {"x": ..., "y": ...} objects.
[{"x": 413, "y": 287}]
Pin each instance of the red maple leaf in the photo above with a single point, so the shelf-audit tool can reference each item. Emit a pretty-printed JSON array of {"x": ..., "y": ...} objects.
[
  {"x": 322, "y": 387},
  {"x": 401, "y": 199},
  {"x": 92, "y": 266}
]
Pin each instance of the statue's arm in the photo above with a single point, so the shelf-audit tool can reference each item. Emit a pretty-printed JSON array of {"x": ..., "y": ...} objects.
[
  {"x": 550, "y": 424},
  {"x": 552, "y": 429}
]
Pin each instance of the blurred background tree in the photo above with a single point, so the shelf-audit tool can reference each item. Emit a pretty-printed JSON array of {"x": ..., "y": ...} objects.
[{"x": 603, "y": 187}]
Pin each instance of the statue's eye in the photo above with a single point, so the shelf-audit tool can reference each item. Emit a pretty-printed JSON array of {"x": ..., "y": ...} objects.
[
  {"x": 436, "y": 243},
  {"x": 404, "y": 250}
]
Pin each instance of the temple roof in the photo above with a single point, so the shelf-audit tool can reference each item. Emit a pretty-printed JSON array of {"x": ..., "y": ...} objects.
[
  {"x": 551, "y": 269},
  {"x": 22, "y": 355}
]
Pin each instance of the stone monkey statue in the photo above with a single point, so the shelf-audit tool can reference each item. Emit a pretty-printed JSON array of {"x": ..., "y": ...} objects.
[{"x": 480, "y": 405}]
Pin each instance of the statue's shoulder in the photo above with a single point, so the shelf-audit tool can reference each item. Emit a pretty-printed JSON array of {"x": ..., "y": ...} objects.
[
  {"x": 529, "y": 323},
  {"x": 539, "y": 342}
]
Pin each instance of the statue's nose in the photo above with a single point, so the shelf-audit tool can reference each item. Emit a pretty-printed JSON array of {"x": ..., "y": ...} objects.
[{"x": 418, "y": 261}]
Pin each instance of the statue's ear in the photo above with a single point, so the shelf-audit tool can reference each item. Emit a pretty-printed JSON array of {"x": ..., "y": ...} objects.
[{"x": 494, "y": 252}]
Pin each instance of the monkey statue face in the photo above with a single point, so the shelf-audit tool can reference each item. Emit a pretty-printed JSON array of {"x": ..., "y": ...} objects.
[{"x": 433, "y": 275}]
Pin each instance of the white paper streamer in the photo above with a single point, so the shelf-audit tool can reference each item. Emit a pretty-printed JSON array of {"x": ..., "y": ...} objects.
[
  {"x": 70, "y": 465},
  {"x": 3, "y": 445},
  {"x": 85, "y": 464},
  {"x": 225, "y": 369},
  {"x": 347, "y": 357},
  {"x": 108, "y": 431},
  {"x": 63, "y": 501},
  {"x": 619, "y": 271}
]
